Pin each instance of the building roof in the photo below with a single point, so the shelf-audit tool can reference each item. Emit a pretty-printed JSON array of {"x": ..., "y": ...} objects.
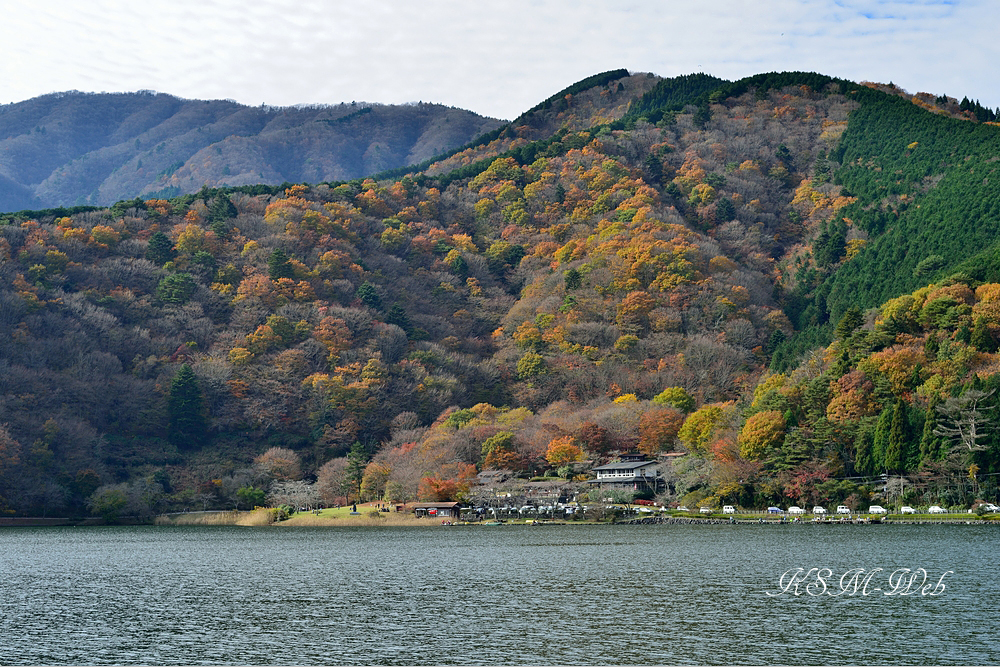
[
  {"x": 623, "y": 480},
  {"x": 436, "y": 505},
  {"x": 625, "y": 465}
]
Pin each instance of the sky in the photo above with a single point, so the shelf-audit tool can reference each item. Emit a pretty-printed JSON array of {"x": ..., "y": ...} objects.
[{"x": 495, "y": 58}]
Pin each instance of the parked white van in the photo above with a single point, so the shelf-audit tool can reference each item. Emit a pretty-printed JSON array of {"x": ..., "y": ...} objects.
[
  {"x": 728, "y": 509},
  {"x": 877, "y": 509},
  {"x": 843, "y": 509}
]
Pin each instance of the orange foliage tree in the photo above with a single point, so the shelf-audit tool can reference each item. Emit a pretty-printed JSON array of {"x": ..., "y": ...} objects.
[
  {"x": 562, "y": 451},
  {"x": 451, "y": 482},
  {"x": 657, "y": 430}
]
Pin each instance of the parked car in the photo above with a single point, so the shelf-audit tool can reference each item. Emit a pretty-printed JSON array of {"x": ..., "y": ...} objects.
[
  {"x": 877, "y": 509},
  {"x": 774, "y": 510},
  {"x": 728, "y": 509},
  {"x": 984, "y": 507},
  {"x": 682, "y": 508},
  {"x": 936, "y": 509},
  {"x": 819, "y": 509},
  {"x": 843, "y": 509},
  {"x": 795, "y": 509},
  {"x": 705, "y": 510},
  {"x": 906, "y": 509}
]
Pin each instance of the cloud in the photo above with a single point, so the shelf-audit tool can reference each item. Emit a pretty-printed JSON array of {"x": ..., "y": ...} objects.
[{"x": 497, "y": 58}]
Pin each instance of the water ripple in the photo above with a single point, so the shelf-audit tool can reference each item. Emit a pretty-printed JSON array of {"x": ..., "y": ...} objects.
[{"x": 491, "y": 596}]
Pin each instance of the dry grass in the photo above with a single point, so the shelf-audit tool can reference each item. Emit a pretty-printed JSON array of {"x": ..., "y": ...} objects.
[
  {"x": 366, "y": 519},
  {"x": 258, "y": 517},
  {"x": 265, "y": 517}
]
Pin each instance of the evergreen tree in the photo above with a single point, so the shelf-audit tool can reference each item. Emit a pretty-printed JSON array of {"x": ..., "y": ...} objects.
[
  {"x": 561, "y": 192},
  {"x": 863, "y": 460},
  {"x": 357, "y": 458},
  {"x": 459, "y": 266},
  {"x": 653, "y": 166},
  {"x": 220, "y": 229},
  {"x": 725, "y": 210},
  {"x": 702, "y": 116},
  {"x": 982, "y": 339},
  {"x": 187, "y": 427},
  {"x": 776, "y": 338},
  {"x": 176, "y": 289},
  {"x": 397, "y": 315},
  {"x": 931, "y": 347},
  {"x": 816, "y": 397},
  {"x": 278, "y": 265},
  {"x": 573, "y": 279},
  {"x": 222, "y": 208},
  {"x": 368, "y": 295},
  {"x": 896, "y": 445},
  {"x": 849, "y": 323},
  {"x": 829, "y": 246},
  {"x": 929, "y": 442},
  {"x": 160, "y": 250},
  {"x": 880, "y": 443}
]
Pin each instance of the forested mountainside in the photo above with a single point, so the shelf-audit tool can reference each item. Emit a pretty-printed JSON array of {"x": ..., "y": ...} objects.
[
  {"x": 68, "y": 149},
  {"x": 565, "y": 293}
]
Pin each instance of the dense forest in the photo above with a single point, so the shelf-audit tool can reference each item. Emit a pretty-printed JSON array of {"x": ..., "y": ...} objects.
[
  {"x": 787, "y": 281},
  {"x": 72, "y": 149}
]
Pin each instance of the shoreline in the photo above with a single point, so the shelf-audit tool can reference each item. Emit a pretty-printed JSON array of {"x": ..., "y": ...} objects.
[{"x": 266, "y": 517}]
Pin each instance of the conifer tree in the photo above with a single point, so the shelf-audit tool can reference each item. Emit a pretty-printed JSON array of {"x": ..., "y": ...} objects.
[
  {"x": 397, "y": 315},
  {"x": 356, "y": 460},
  {"x": 849, "y": 323},
  {"x": 881, "y": 441},
  {"x": 278, "y": 265},
  {"x": 981, "y": 338},
  {"x": 187, "y": 428},
  {"x": 863, "y": 462},
  {"x": 368, "y": 295},
  {"x": 222, "y": 209},
  {"x": 896, "y": 444},
  {"x": 160, "y": 249}
]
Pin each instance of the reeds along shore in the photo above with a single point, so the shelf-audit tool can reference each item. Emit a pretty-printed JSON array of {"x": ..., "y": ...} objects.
[
  {"x": 258, "y": 517},
  {"x": 266, "y": 517}
]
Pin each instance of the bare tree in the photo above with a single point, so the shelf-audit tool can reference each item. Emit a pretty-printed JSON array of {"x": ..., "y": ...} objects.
[
  {"x": 298, "y": 494},
  {"x": 964, "y": 419}
]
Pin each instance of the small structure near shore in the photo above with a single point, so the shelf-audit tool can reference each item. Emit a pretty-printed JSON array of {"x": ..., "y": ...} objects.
[
  {"x": 440, "y": 510},
  {"x": 637, "y": 475}
]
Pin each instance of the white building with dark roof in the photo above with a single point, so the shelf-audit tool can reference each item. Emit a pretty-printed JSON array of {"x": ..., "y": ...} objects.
[{"x": 635, "y": 475}]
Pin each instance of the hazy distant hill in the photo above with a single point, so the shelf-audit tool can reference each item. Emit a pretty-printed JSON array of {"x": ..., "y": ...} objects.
[{"x": 80, "y": 148}]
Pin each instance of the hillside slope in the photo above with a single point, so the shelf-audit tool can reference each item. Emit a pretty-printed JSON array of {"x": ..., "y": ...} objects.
[{"x": 570, "y": 296}]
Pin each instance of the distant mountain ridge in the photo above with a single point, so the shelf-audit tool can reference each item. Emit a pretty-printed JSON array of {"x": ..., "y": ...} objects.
[{"x": 74, "y": 148}]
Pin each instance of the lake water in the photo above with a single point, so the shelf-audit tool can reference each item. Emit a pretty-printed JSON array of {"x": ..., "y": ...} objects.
[{"x": 494, "y": 595}]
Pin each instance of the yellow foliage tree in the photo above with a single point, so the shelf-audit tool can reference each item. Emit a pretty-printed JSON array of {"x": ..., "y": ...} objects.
[
  {"x": 761, "y": 431},
  {"x": 699, "y": 427}
]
